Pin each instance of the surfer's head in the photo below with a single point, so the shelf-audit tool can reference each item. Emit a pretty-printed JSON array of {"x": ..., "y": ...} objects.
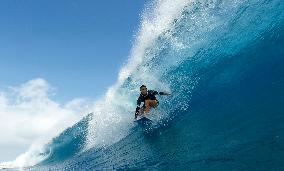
[{"x": 143, "y": 89}]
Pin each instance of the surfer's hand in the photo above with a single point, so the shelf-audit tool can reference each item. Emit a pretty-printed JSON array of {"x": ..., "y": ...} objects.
[{"x": 136, "y": 115}]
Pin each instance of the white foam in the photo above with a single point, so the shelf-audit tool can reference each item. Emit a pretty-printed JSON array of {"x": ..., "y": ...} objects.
[
  {"x": 154, "y": 22},
  {"x": 114, "y": 113},
  {"x": 29, "y": 158}
]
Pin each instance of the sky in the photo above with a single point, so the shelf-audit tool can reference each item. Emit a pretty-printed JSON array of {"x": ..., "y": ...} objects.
[
  {"x": 53, "y": 55},
  {"x": 77, "y": 46}
]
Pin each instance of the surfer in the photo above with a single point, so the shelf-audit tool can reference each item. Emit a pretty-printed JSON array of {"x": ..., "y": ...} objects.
[{"x": 148, "y": 97}]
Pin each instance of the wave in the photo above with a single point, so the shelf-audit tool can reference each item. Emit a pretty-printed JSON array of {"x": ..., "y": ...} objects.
[{"x": 223, "y": 63}]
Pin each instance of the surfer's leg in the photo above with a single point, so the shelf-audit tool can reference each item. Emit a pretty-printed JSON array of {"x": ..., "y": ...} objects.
[
  {"x": 149, "y": 104},
  {"x": 154, "y": 103}
]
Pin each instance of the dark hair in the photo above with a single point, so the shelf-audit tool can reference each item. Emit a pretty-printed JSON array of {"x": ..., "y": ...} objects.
[{"x": 142, "y": 86}]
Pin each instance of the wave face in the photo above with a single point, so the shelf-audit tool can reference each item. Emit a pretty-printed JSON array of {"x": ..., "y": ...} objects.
[
  {"x": 223, "y": 61},
  {"x": 69, "y": 143}
]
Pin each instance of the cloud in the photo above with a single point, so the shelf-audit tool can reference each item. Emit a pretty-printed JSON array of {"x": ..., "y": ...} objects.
[{"x": 29, "y": 117}]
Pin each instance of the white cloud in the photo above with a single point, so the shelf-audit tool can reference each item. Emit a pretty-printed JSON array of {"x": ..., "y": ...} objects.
[{"x": 29, "y": 117}]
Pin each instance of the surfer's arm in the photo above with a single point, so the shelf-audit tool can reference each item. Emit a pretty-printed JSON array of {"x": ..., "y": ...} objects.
[
  {"x": 164, "y": 93},
  {"x": 160, "y": 93},
  {"x": 153, "y": 92},
  {"x": 139, "y": 101}
]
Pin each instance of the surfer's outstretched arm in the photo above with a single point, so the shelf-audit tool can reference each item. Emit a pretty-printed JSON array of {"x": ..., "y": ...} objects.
[
  {"x": 158, "y": 93},
  {"x": 164, "y": 93}
]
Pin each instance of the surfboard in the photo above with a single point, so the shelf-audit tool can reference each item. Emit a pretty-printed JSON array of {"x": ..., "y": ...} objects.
[{"x": 143, "y": 119}]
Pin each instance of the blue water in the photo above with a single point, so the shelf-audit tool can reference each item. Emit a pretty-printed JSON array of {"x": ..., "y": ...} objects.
[{"x": 226, "y": 74}]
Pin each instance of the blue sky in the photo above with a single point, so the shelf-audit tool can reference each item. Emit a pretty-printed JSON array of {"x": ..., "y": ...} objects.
[{"x": 77, "y": 46}]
